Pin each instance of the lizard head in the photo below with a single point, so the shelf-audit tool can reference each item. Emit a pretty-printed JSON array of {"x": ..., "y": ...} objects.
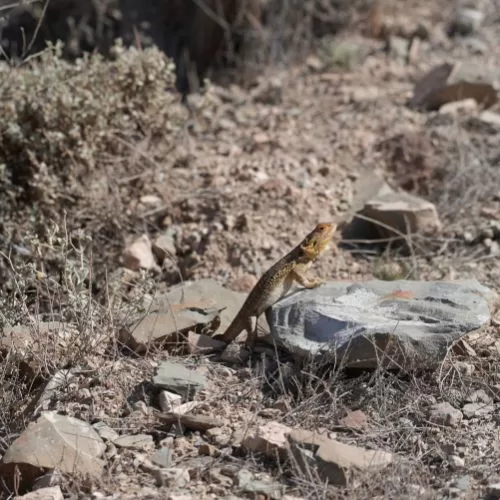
[{"x": 317, "y": 241}]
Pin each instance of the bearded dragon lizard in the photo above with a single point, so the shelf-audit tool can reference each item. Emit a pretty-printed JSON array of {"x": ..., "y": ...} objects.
[{"x": 277, "y": 281}]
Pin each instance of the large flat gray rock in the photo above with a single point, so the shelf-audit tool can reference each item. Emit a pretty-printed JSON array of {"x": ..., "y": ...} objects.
[{"x": 395, "y": 323}]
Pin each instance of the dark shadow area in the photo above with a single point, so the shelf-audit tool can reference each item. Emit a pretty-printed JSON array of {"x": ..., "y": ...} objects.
[{"x": 201, "y": 36}]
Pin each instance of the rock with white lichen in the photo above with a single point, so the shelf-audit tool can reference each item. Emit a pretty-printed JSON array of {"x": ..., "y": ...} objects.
[{"x": 407, "y": 324}]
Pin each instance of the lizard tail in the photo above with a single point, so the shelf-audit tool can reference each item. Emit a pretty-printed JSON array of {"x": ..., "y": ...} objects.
[{"x": 235, "y": 328}]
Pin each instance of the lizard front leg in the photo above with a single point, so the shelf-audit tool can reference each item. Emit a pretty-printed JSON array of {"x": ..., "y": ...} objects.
[{"x": 306, "y": 282}]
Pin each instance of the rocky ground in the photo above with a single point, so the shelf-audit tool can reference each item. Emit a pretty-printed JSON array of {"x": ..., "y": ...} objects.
[{"x": 110, "y": 379}]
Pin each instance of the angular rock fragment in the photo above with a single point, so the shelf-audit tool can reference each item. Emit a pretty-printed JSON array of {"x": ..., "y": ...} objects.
[
  {"x": 134, "y": 442},
  {"x": 270, "y": 439},
  {"x": 367, "y": 187},
  {"x": 60, "y": 379},
  {"x": 163, "y": 329},
  {"x": 494, "y": 490},
  {"x": 162, "y": 457},
  {"x": 106, "y": 432},
  {"x": 356, "y": 420},
  {"x": 471, "y": 410},
  {"x": 202, "y": 306},
  {"x": 168, "y": 401},
  {"x": 491, "y": 118},
  {"x": 455, "y": 82},
  {"x": 52, "y": 493},
  {"x": 466, "y": 22},
  {"x": 53, "y": 441},
  {"x": 178, "y": 378},
  {"x": 397, "y": 47},
  {"x": 334, "y": 461},
  {"x": 479, "y": 396},
  {"x": 455, "y": 108},
  {"x": 259, "y": 485},
  {"x": 445, "y": 414},
  {"x": 396, "y": 214},
  {"x": 139, "y": 255},
  {"x": 206, "y": 294},
  {"x": 199, "y": 344},
  {"x": 164, "y": 246}
]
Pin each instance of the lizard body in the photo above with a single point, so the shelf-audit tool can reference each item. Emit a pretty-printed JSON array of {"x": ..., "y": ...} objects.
[{"x": 278, "y": 280}]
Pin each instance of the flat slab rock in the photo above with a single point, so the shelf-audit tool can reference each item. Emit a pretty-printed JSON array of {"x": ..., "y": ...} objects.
[
  {"x": 53, "y": 441},
  {"x": 178, "y": 378},
  {"x": 394, "y": 323},
  {"x": 185, "y": 307}
]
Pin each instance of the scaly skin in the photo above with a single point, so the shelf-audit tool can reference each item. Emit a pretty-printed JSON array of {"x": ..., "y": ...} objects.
[{"x": 277, "y": 281}]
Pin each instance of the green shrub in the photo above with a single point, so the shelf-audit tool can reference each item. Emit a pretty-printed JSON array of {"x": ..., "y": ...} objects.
[
  {"x": 77, "y": 144},
  {"x": 60, "y": 121}
]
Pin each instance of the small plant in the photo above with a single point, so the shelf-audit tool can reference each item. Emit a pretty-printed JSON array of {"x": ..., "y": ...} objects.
[
  {"x": 60, "y": 121},
  {"x": 67, "y": 133}
]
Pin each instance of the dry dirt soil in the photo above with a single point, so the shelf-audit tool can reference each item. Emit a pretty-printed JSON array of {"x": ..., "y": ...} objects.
[{"x": 241, "y": 177}]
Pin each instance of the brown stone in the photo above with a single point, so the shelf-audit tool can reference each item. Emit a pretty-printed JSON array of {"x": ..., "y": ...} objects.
[
  {"x": 51, "y": 493},
  {"x": 164, "y": 328},
  {"x": 336, "y": 462},
  {"x": 139, "y": 255},
  {"x": 203, "y": 344},
  {"x": 355, "y": 420},
  {"x": 455, "y": 82},
  {"x": 270, "y": 439},
  {"x": 53, "y": 441}
]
